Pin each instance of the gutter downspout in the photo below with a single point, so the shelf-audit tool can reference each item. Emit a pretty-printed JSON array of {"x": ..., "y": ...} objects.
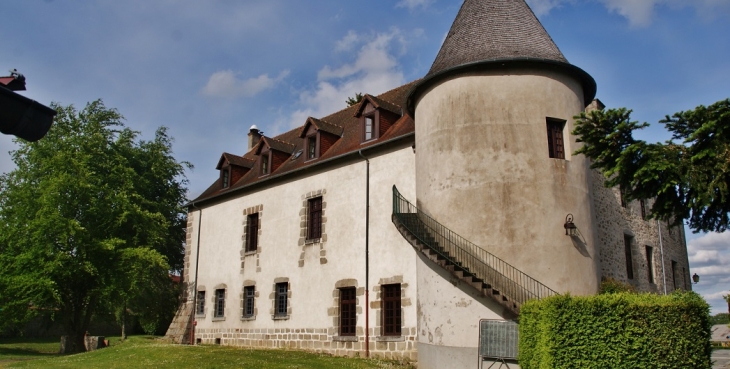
[
  {"x": 661, "y": 250},
  {"x": 367, "y": 255},
  {"x": 195, "y": 285}
]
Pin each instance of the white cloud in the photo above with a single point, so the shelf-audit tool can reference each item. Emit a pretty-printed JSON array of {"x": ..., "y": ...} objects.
[
  {"x": 227, "y": 84},
  {"x": 543, "y": 7},
  {"x": 709, "y": 257},
  {"x": 347, "y": 42},
  {"x": 375, "y": 70},
  {"x": 413, "y": 4},
  {"x": 640, "y": 13}
]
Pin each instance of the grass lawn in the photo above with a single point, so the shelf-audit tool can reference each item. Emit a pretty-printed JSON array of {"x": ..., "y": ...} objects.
[{"x": 150, "y": 352}]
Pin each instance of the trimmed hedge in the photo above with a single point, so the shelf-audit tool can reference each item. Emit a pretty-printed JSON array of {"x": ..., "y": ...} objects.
[{"x": 616, "y": 330}]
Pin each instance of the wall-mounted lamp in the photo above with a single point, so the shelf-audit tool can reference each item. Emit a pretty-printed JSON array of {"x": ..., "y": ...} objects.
[
  {"x": 570, "y": 228},
  {"x": 695, "y": 278}
]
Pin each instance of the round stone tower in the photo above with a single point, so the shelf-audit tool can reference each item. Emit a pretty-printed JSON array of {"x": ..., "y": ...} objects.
[{"x": 494, "y": 161}]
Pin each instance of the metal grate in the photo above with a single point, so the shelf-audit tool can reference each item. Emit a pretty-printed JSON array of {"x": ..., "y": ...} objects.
[{"x": 498, "y": 339}]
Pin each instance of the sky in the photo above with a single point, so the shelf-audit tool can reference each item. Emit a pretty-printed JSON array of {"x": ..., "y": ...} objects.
[{"x": 209, "y": 70}]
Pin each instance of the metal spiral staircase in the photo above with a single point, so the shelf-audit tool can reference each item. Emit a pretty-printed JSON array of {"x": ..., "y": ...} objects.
[{"x": 492, "y": 276}]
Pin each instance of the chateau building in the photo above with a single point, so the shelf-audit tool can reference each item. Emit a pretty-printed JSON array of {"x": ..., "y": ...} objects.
[{"x": 390, "y": 228}]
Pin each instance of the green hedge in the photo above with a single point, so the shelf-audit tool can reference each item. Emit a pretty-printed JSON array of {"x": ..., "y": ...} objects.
[{"x": 617, "y": 330}]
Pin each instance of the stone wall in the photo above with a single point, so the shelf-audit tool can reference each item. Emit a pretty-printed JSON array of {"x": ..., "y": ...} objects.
[
  {"x": 614, "y": 221},
  {"x": 314, "y": 339}
]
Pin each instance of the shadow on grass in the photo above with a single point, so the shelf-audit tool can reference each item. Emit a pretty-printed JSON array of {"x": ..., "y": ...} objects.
[{"x": 19, "y": 352}]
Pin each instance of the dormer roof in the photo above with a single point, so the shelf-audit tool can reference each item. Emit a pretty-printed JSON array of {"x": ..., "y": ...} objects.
[
  {"x": 234, "y": 160},
  {"x": 378, "y": 103},
  {"x": 274, "y": 144},
  {"x": 321, "y": 125},
  {"x": 495, "y": 30}
]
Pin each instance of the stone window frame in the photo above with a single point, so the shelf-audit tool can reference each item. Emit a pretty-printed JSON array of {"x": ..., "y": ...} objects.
[
  {"x": 335, "y": 310},
  {"x": 314, "y": 218},
  {"x": 257, "y": 209},
  {"x": 377, "y": 304},
  {"x": 556, "y": 137},
  {"x": 248, "y": 284},
  {"x": 214, "y": 303},
  {"x": 304, "y": 241},
  {"x": 200, "y": 302},
  {"x": 274, "y": 299}
]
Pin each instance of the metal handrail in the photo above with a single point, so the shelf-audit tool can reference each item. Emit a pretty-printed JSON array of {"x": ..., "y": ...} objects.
[{"x": 517, "y": 286}]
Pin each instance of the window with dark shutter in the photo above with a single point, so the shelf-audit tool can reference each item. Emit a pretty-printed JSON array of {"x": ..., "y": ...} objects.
[
  {"x": 391, "y": 310},
  {"x": 556, "y": 148},
  {"x": 252, "y": 232},
  {"x": 314, "y": 218},
  {"x": 348, "y": 312}
]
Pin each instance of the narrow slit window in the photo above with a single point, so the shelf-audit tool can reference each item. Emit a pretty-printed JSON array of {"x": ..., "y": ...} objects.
[
  {"x": 265, "y": 164},
  {"x": 650, "y": 263},
  {"x": 629, "y": 261},
  {"x": 224, "y": 174},
  {"x": 311, "y": 147},
  {"x": 369, "y": 127},
  {"x": 200, "y": 303}
]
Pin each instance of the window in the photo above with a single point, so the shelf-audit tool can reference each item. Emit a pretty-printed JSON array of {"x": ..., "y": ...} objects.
[
  {"x": 629, "y": 261},
  {"x": 252, "y": 232},
  {"x": 264, "y": 163},
  {"x": 642, "y": 204},
  {"x": 674, "y": 274},
  {"x": 391, "y": 310},
  {"x": 314, "y": 218},
  {"x": 311, "y": 147},
  {"x": 220, "y": 303},
  {"x": 623, "y": 196},
  {"x": 281, "y": 297},
  {"x": 650, "y": 263},
  {"x": 348, "y": 312},
  {"x": 224, "y": 177},
  {"x": 249, "y": 294},
  {"x": 369, "y": 128},
  {"x": 556, "y": 149},
  {"x": 200, "y": 303}
]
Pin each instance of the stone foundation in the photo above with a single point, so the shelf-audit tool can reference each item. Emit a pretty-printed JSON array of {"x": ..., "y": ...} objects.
[{"x": 315, "y": 339}]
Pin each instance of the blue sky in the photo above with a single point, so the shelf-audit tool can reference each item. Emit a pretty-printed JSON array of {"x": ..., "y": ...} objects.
[{"x": 209, "y": 70}]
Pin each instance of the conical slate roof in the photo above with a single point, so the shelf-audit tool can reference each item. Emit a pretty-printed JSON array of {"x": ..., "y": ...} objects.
[{"x": 495, "y": 30}]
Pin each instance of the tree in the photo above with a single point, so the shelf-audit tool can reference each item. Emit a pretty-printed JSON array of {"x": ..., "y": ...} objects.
[
  {"x": 90, "y": 220},
  {"x": 354, "y": 100},
  {"x": 689, "y": 179}
]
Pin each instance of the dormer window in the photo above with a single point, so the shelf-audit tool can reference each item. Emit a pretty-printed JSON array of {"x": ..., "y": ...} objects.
[
  {"x": 318, "y": 137},
  {"x": 376, "y": 117},
  {"x": 369, "y": 127},
  {"x": 312, "y": 147},
  {"x": 225, "y": 177},
  {"x": 265, "y": 163}
]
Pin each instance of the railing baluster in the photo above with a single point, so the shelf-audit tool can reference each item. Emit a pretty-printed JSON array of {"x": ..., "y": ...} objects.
[{"x": 500, "y": 275}]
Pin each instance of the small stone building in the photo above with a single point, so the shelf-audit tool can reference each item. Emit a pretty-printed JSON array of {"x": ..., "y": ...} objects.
[{"x": 390, "y": 228}]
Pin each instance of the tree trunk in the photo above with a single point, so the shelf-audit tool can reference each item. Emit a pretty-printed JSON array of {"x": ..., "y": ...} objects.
[{"x": 124, "y": 322}]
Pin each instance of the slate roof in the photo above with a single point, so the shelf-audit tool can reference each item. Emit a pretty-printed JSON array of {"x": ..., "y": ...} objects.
[
  {"x": 291, "y": 142},
  {"x": 494, "y": 30}
]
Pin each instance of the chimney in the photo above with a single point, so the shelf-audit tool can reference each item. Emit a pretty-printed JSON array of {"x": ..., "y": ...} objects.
[
  {"x": 254, "y": 135},
  {"x": 595, "y": 105}
]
